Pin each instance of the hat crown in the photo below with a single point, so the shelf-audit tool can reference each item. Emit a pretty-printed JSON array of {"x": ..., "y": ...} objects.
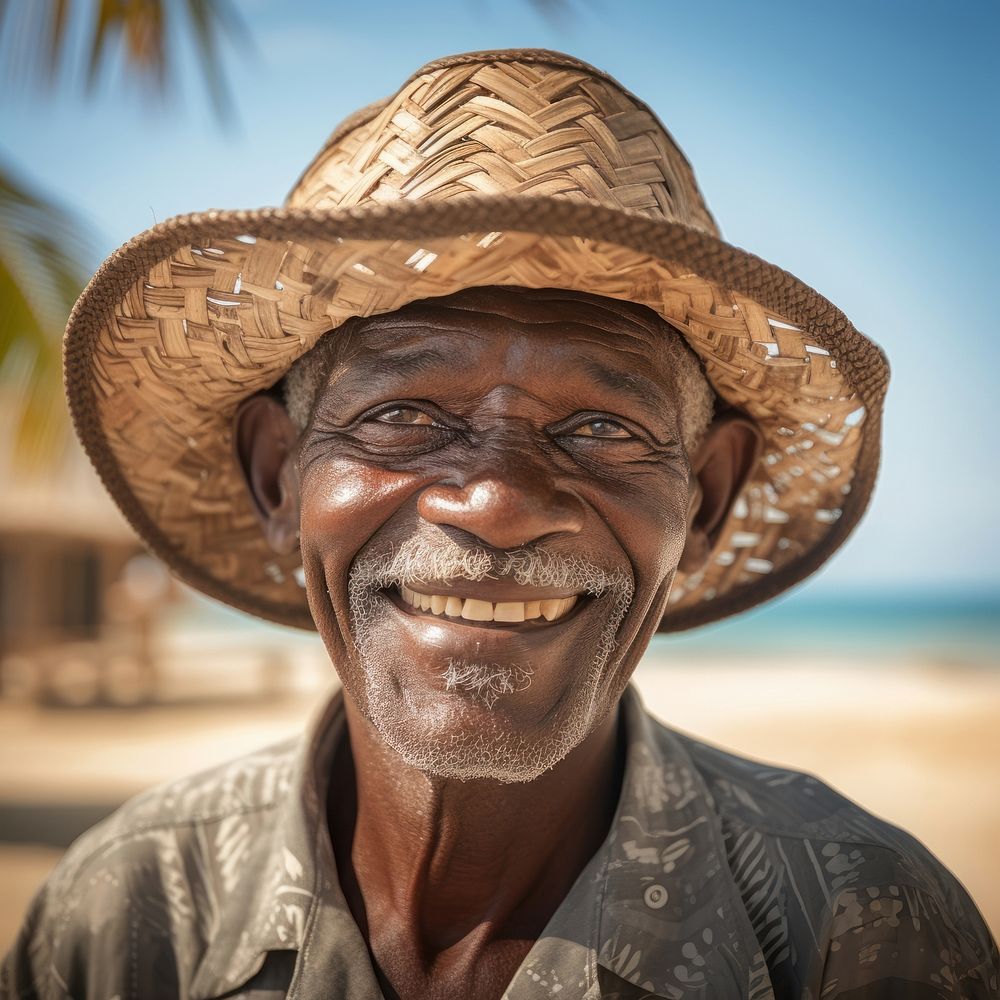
[{"x": 512, "y": 122}]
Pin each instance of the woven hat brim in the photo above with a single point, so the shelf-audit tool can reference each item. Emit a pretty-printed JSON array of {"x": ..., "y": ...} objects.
[{"x": 138, "y": 322}]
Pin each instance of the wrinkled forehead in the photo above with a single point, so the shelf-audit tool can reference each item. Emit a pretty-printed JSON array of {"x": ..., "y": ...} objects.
[
  {"x": 609, "y": 329},
  {"x": 529, "y": 306}
]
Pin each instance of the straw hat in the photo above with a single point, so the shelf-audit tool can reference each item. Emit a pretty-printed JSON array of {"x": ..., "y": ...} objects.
[{"x": 521, "y": 167}]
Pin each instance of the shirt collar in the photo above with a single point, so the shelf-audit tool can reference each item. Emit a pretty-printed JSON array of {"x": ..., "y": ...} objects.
[{"x": 656, "y": 906}]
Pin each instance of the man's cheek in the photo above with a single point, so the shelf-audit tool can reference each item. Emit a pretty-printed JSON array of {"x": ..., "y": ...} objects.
[
  {"x": 652, "y": 531},
  {"x": 674, "y": 538},
  {"x": 350, "y": 500},
  {"x": 342, "y": 505}
]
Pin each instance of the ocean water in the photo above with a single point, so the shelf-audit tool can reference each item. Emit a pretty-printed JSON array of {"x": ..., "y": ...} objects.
[
  {"x": 950, "y": 627},
  {"x": 946, "y": 627}
]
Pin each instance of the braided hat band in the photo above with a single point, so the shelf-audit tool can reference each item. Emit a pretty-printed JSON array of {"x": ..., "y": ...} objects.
[{"x": 524, "y": 168}]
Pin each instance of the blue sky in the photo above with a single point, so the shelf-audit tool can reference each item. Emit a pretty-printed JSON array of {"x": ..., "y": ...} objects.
[{"x": 855, "y": 144}]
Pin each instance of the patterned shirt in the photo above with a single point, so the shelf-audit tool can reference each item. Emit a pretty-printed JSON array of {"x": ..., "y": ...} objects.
[{"x": 720, "y": 878}]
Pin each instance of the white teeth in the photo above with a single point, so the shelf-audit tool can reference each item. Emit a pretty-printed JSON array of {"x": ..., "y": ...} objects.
[
  {"x": 476, "y": 610},
  {"x": 508, "y": 611},
  {"x": 551, "y": 609},
  {"x": 557, "y": 608}
]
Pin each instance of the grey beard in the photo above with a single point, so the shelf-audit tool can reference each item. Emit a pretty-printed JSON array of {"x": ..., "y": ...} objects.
[
  {"x": 486, "y": 682},
  {"x": 500, "y": 756}
]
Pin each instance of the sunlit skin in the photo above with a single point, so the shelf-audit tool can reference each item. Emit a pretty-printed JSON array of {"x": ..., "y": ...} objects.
[{"x": 501, "y": 419}]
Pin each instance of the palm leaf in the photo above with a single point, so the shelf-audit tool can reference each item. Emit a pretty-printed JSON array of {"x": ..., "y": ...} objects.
[
  {"x": 33, "y": 41},
  {"x": 141, "y": 26},
  {"x": 43, "y": 265},
  {"x": 207, "y": 20},
  {"x": 43, "y": 254}
]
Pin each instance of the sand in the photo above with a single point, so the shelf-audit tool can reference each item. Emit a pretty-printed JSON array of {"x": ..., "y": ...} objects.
[{"x": 918, "y": 744}]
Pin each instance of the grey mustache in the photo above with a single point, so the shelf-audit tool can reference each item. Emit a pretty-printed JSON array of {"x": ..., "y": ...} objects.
[{"x": 443, "y": 560}]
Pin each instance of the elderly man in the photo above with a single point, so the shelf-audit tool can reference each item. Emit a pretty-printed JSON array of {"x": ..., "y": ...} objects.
[{"x": 487, "y": 404}]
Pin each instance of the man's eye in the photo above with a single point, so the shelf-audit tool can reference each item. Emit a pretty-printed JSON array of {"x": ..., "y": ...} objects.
[
  {"x": 602, "y": 429},
  {"x": 410, "y": 416}
]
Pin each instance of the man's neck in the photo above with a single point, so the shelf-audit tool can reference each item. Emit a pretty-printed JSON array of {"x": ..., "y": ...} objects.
[{"x": 453, "y": 867}]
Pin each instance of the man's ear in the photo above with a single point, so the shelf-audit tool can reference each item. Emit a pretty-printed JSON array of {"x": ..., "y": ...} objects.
[
  {"x": 727, "y": 455},
  {"x": 265, "y": 439}
]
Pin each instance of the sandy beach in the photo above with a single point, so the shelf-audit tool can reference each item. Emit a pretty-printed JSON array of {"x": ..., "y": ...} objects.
[{"x": 916, "y": 743}]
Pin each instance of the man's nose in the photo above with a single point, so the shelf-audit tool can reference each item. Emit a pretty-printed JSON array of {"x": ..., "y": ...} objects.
[{"x": 505, "y": 505}]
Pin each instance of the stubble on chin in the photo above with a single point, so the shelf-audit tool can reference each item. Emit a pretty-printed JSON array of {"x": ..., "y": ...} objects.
[{"x": 486, "y": 682}]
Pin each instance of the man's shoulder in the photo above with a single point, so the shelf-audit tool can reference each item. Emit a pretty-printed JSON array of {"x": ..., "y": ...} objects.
[
  {"x": 252, "y": 783},
  {"x": 801, "y": 852},
  {"x": 173, "y": 816},
  {"x": 171, "y": 858},
  {"x": 808, "y": 824},
  {"x": 782, "y": 801}
]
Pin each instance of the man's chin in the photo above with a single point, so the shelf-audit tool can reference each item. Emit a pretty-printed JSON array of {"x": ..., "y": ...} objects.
[{"x": 478, "y": 723}]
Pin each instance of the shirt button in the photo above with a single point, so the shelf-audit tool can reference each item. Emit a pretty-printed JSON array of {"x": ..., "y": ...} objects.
[{"x": 655, "y": 896}]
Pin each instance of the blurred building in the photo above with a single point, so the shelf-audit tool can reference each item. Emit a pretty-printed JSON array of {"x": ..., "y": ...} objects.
[
  {"x": 77, "y": 594},
  {"x": 61, "y": 548}
]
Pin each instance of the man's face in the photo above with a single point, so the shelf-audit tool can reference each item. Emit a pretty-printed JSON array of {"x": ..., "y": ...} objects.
[{"x": 498, "y": 455}]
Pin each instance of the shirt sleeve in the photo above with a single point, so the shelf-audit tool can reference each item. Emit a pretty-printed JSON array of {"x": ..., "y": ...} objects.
[
  {"x": 88, "y": 926},
  {"x": 900, "y": 942},
  {"x": 26, "y": 971}
]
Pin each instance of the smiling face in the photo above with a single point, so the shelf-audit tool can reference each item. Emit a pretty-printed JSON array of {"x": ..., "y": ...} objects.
[{"x": 493, "y": 500}]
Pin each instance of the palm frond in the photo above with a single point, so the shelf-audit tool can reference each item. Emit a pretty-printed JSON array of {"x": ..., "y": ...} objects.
[
  {"x": 43, "y": 253},
  {"x": 36, "y": 41},
  {"x": 57, "y": 34},
  {"x": 140, "y": 25},
  {"x": 208, "y": 20},
  {"x": 43, "y": 265}
]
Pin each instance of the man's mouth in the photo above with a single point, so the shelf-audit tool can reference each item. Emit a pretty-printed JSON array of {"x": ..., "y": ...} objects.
[{"x": 474, "y": 609}]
